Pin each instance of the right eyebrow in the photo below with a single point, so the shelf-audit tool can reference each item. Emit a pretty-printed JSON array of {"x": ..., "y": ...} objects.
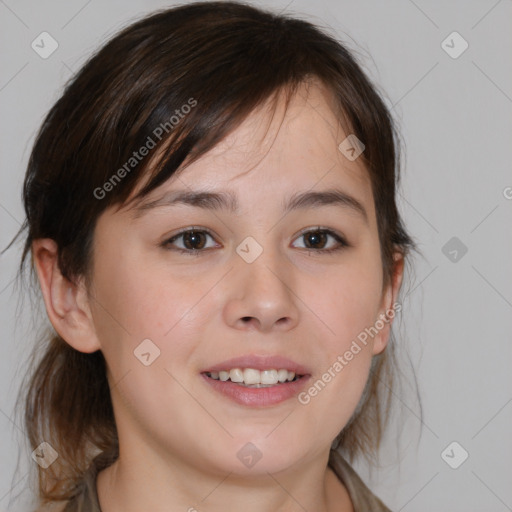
[{"x": 227, "y": 200}]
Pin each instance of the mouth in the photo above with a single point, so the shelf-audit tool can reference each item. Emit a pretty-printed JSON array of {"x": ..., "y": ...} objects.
[
  {"x": 253, "y": 378},
  {"x": 257, "y": 380}
]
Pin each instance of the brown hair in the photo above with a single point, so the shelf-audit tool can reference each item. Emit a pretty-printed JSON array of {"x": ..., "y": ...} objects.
[{"x": 229, "y": 58}]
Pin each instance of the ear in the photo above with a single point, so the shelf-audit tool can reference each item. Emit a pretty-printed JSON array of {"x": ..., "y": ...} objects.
[
  {"x": 67, "y": 304},
  {"x": 387, "y": 310}
]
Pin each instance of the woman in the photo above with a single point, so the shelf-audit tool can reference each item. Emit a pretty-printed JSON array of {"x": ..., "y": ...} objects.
[{"x": 247, "y": 375}]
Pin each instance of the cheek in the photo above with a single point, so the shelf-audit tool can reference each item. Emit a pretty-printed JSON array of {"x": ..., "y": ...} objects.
[
  {"x": 135, "y": 302},
  {"x": 347, "y": 302},
  {"x": 347, "y": 305},
  {"x": 146, "y": 324}
]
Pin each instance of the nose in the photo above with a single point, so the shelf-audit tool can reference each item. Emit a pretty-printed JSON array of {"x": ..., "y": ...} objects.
[{"x": 261, "y": 295}]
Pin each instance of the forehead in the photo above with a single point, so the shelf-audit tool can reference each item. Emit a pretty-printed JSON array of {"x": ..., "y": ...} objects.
[
  {"x": 305, "y": 133},
  {"x": 277, "y": 150}
]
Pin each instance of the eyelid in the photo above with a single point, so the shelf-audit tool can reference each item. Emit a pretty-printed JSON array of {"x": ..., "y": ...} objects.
[
  {"x": 201, "y": 229},
  {"x": 342, "y": 242}
]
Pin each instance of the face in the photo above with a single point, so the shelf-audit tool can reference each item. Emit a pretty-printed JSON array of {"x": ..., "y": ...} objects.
[{"x": 182, "y": 289}]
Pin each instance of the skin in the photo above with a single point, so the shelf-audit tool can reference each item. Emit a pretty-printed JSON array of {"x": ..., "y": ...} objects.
[{"x": 179, "y": 438}]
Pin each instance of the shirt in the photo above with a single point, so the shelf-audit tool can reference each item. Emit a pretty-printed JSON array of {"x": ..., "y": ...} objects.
[{"x": 363, "y": 500}]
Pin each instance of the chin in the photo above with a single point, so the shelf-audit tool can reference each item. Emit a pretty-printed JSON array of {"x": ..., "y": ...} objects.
[{"x": 262, "y": 455}]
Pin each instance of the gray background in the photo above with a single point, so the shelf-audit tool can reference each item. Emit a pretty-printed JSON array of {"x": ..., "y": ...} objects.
[{"x": 455, "y": 117}]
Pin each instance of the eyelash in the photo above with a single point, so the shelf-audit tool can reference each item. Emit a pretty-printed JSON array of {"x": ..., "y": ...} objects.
[{"x": 342, "y": 244}]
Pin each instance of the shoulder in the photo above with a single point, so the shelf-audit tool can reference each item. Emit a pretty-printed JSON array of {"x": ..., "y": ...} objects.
[
  {"x": 362, "y": 497},
  {"x": 58, "y": 506},
  {"x": 85, "y": 496}
]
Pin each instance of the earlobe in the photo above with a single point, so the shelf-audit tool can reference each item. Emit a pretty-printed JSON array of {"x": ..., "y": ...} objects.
[
  {"x": 66, "y": 303},
  {"x": 387, "y": 311}
]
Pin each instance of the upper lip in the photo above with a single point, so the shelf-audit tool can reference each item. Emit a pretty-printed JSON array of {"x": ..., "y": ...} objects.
[{"x": 259, "y": 362}]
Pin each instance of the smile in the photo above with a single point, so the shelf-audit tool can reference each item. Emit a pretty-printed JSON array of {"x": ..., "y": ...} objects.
[{"x": 254, "y": 378}]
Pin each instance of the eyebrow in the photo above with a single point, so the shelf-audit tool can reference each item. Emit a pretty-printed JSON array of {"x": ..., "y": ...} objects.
[{"x": 228, "y": 201}]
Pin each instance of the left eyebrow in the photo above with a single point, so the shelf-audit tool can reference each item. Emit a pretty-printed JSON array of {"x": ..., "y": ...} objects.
[{"x": 228, "y": 201}]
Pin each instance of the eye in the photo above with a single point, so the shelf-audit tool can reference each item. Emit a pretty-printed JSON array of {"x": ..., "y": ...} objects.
[
  {"x": 193, "y": 241},
  {"x": 318, "y": 237}
]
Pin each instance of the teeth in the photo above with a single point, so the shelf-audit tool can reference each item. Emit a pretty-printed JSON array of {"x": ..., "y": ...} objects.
[
  {"x": 282, "y": 375},
  {"x": 250, "y": 376},
  {"x": 254, "y": 378},
  {"x": 236, "y": 375},
  {"x": 269, "y": 377}
]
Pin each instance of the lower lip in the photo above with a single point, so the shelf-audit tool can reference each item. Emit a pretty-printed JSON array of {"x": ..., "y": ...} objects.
[{"x": 258, "y": 396}]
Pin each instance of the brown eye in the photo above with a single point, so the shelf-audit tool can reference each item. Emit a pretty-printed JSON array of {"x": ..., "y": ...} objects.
[
  {"x": 194, "y": 240},
  {"x": 190, "y": 241},
  {"x": 316, "y": 240}
]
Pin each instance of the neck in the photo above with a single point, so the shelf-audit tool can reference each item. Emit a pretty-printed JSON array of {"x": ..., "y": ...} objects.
[{"x": 127, "y": 485}]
